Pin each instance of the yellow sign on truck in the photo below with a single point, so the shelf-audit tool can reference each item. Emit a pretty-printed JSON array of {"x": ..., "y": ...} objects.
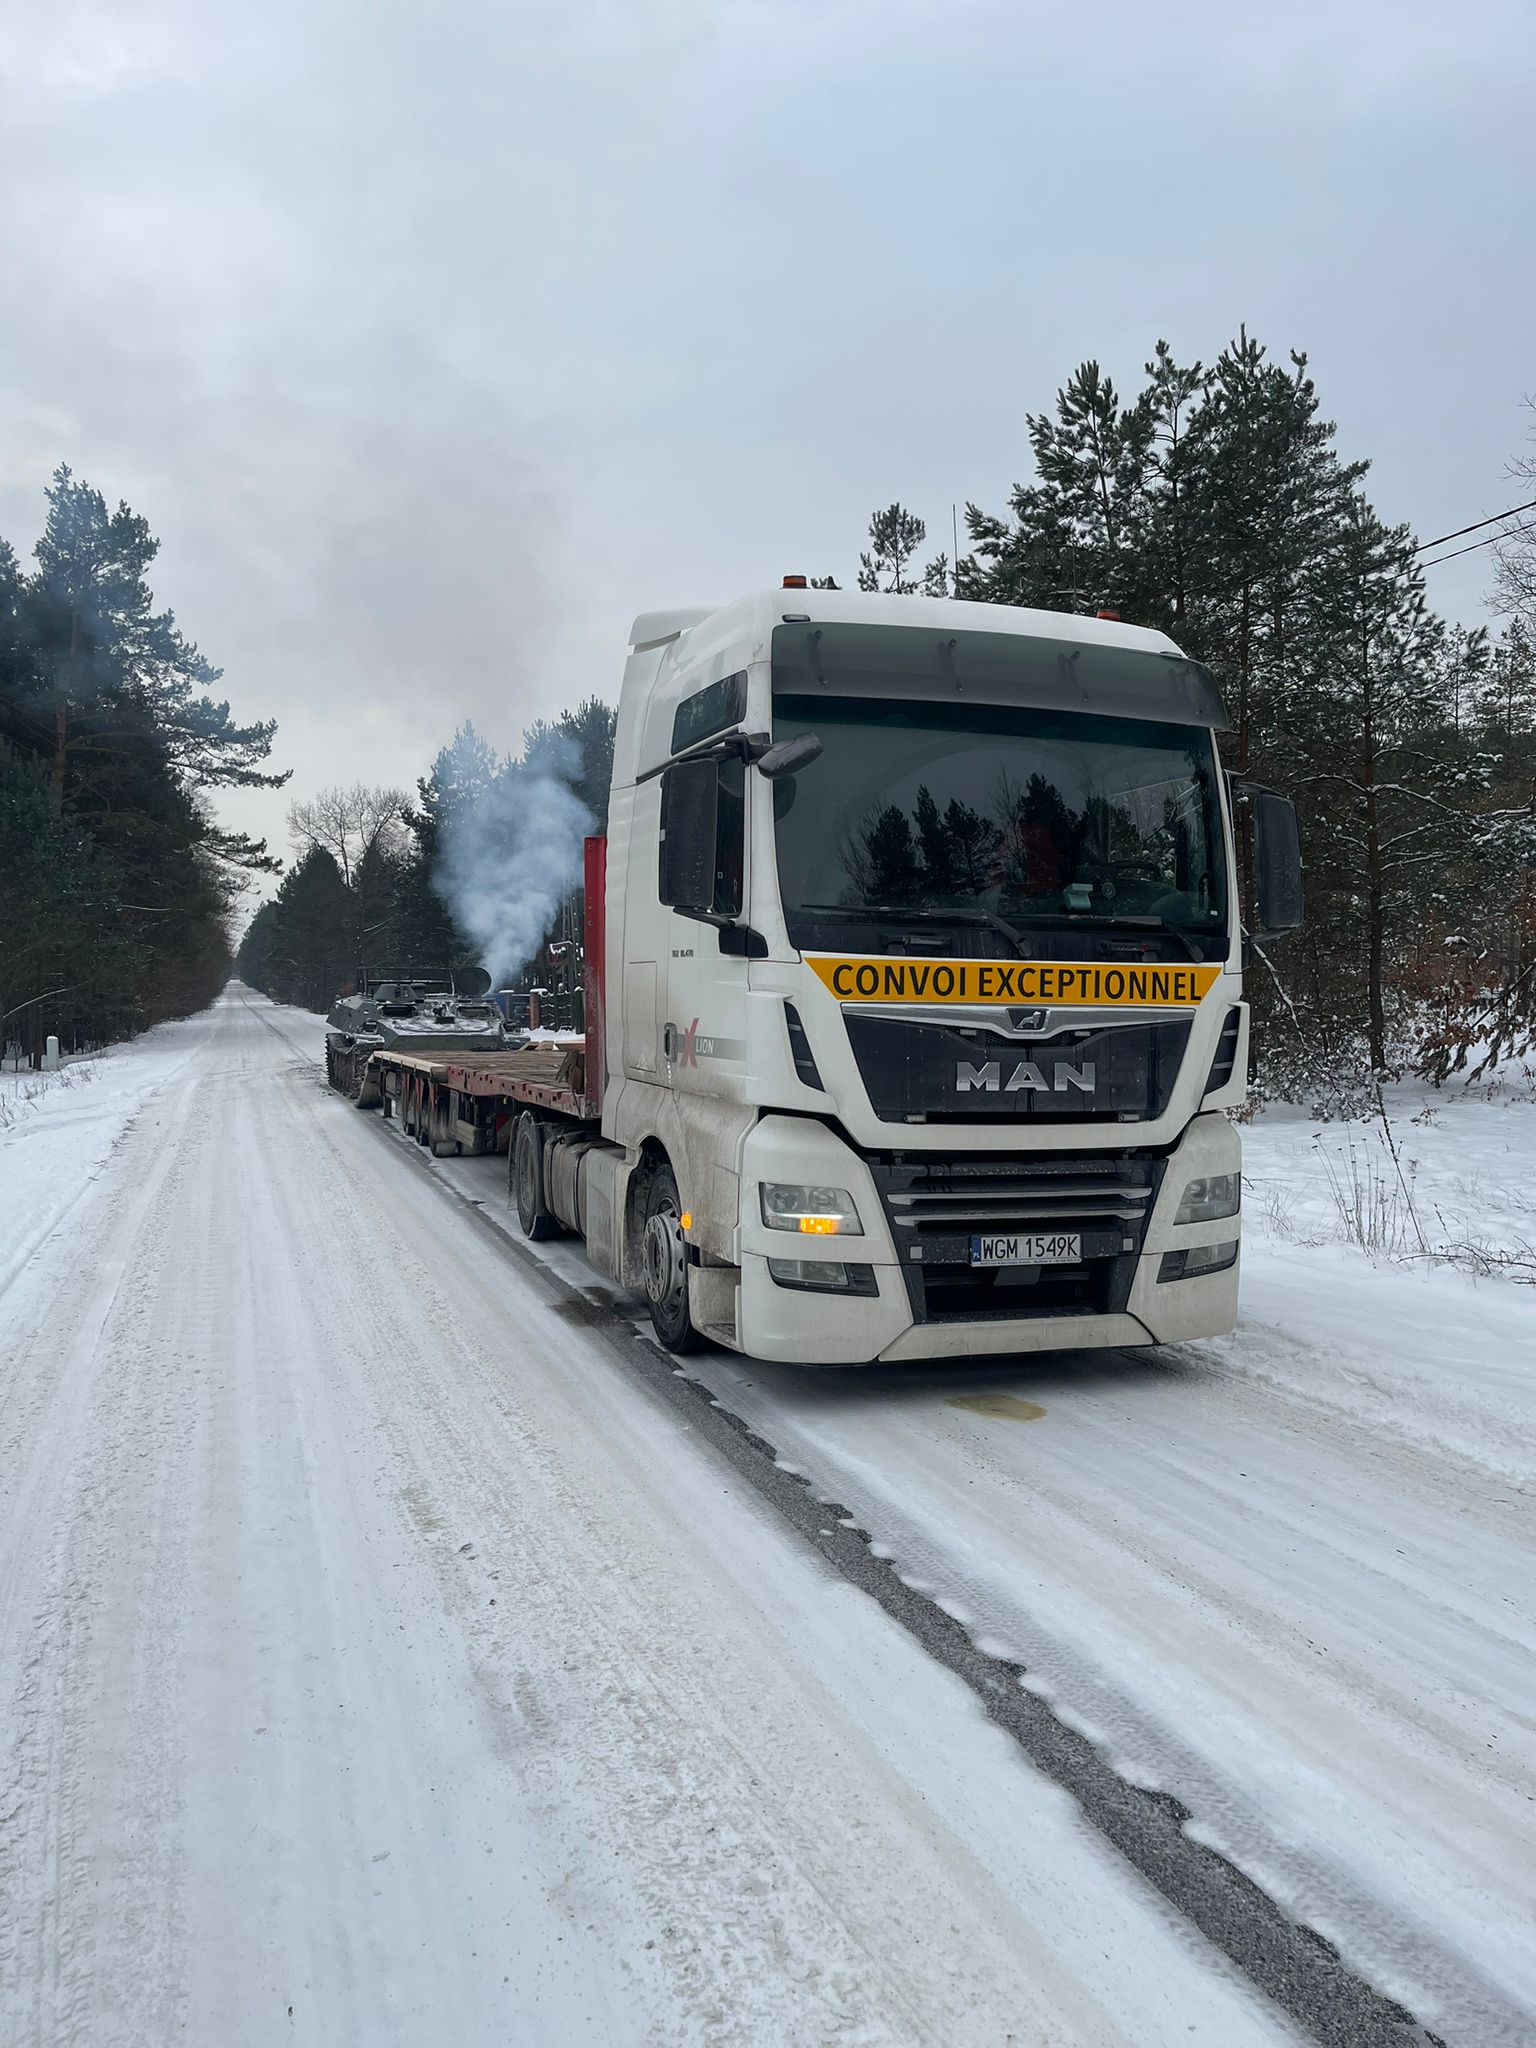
[{"x": 860, "y": 979}]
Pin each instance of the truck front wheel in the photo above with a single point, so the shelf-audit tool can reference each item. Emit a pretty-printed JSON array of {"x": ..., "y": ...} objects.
[{"x": 664, "y": 1263}]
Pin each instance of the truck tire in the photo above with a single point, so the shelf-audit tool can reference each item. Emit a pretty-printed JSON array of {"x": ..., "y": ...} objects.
[
  {"x": 527, "y": 1176},
  {"x": 664, "y": 1263},
  {"x": 444, "y": 1144}
]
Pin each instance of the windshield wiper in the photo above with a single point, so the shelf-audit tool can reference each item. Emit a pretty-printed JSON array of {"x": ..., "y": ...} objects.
[
  {"x": 1062, "y": 920},
  {"x": 875, "y": 913},
  {"x": 1051, "y": 920}
]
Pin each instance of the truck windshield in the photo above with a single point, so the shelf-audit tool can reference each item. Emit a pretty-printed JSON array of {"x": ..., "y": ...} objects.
[{"x": 1055, "y": 833}]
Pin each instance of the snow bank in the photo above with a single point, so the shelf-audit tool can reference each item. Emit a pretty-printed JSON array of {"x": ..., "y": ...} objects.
[
  {"x": 1446, "y": 1175},
  {"x": 58, "y": 1130}
]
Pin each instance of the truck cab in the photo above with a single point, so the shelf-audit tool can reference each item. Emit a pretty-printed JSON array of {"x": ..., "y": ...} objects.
[{"x": 922, "y": 983}]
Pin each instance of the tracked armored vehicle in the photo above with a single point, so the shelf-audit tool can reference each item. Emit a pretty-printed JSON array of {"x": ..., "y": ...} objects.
[{"x": 413, "y": 1013}]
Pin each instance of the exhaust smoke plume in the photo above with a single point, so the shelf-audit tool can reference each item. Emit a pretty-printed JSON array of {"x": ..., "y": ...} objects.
[{"x": 510, "y": 853}]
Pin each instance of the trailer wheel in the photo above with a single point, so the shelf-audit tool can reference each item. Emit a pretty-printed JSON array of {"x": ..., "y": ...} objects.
[
  {"x": 537, "y": 1220},
  {"x": 664, "y": 1263},
  {"x": 444, "y": 1144}
]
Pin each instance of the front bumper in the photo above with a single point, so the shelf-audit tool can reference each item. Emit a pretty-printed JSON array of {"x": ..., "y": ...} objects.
[{"x": 1111, "y": 1301}]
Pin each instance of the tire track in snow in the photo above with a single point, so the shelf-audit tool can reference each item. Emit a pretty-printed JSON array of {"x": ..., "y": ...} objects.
[{"x": 686, "y": 1838}]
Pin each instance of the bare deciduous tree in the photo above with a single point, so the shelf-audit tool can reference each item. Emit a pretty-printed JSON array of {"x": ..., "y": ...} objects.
[
  {"x": 1516, "y": 553},
  {"x": 349, "y": 823}
]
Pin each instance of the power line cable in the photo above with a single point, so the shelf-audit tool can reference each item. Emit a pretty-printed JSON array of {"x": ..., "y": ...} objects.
[
  {"x": 1473, "y": 546},
  {"x": 1425, "y": 545}
]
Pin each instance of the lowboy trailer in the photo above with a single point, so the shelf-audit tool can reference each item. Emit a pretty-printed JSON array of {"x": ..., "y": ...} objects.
[{"x": 467, "y": 1104}]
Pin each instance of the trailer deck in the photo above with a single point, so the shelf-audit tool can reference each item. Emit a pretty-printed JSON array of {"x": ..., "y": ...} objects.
[{"x": 468, "y": 1102}]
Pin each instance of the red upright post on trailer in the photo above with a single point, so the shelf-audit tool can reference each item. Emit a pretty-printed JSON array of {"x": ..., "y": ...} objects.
[{"x": 594, "y": 928}]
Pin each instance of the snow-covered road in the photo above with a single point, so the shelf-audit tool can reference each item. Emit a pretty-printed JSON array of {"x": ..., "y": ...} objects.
[
  {"x": 382, "y": 1662},
  {"x": 382, "y": 1665},
  {"x": 1317, "y": 1637}
]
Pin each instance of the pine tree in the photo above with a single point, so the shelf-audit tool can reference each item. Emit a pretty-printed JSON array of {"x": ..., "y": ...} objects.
[
  {"x": 1173, "y": 395},
  {"x": 895, "y": 535},
  {"x": 461, "y": 773},
  {"x": 1484, "y": 999},
  {"x": 578, "y": 747},
  {"x": 102, "y": 696},
  {"x": 253, "y": 961},
  {"x": 56, "y": 902},
  {"x": 1390, "y": 797},
  {"x": 1507, "y": 699},
  {"x": 311, "y": 958},
  {"x": 1265, "y": 495},
  {"x": 1078, "y": 537},
  {"x": 107, "y": 667}
]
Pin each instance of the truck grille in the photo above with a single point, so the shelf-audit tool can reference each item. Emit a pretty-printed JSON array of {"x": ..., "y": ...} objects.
[
  {"x": 935, "y": 1206},
  {"x": 934, "y": 1073}
]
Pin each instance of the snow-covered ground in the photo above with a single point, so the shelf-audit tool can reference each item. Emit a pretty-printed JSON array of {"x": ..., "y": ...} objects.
[
  {"x": 1398, "y": 1291},
  {"x": 374, "y": 1646},
  {"x": 59, "y": 1129},
  {"x": 381, "y": 1664},
  {"x": 1445, "y": 1175},
  {"x": 1286, "y": 1576}
]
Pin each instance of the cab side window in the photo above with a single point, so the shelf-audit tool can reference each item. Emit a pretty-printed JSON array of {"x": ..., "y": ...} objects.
[{"x": 730, "y": 838}]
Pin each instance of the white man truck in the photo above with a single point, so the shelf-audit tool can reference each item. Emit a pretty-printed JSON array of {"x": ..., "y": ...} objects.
[{"x": 914, "y": 987}]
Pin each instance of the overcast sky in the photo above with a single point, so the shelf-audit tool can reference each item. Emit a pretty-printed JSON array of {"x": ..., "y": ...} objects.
[{"x": 436, "y": 341}]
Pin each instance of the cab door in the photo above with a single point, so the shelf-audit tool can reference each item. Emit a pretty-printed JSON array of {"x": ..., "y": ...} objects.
[{"x": 703, "y": 883}]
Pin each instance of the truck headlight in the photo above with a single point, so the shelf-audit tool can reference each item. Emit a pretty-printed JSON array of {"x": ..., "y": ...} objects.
[
  {"x": 1201, "y": 1258},
  {"x": 1219, "y": 1194},
  {"x": 823, "y": 1276},
  {"x": 813, "y": 1211}
]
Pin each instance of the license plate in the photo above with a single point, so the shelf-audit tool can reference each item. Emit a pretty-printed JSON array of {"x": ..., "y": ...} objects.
[{"x": 1029, "y": 1248}]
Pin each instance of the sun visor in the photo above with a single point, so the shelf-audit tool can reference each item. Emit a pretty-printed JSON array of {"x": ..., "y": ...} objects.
[{"x": 1100, "y": 675}]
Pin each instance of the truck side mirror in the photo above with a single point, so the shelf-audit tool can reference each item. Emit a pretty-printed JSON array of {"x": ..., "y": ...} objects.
[
  {"x": 1276, "y": 863},
  {"x": 788, "y": 757},
  {"x": 686, "y": 879}
]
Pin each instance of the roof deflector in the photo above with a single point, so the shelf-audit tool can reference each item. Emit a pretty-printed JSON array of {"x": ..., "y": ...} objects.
[{"x": 655, "y": 629}]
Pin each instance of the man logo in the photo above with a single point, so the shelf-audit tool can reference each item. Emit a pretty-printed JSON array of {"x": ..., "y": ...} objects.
[
  {"x": 1026, "y": 1077},
  {"x": 1027, "y": 1020}
]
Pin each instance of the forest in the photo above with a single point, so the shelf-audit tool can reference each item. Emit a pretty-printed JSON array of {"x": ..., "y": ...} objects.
[
  {"x": 380, "y": 874},
  {"x": 1215, "y": 504},
  {"x": 117, "y": 884}
]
